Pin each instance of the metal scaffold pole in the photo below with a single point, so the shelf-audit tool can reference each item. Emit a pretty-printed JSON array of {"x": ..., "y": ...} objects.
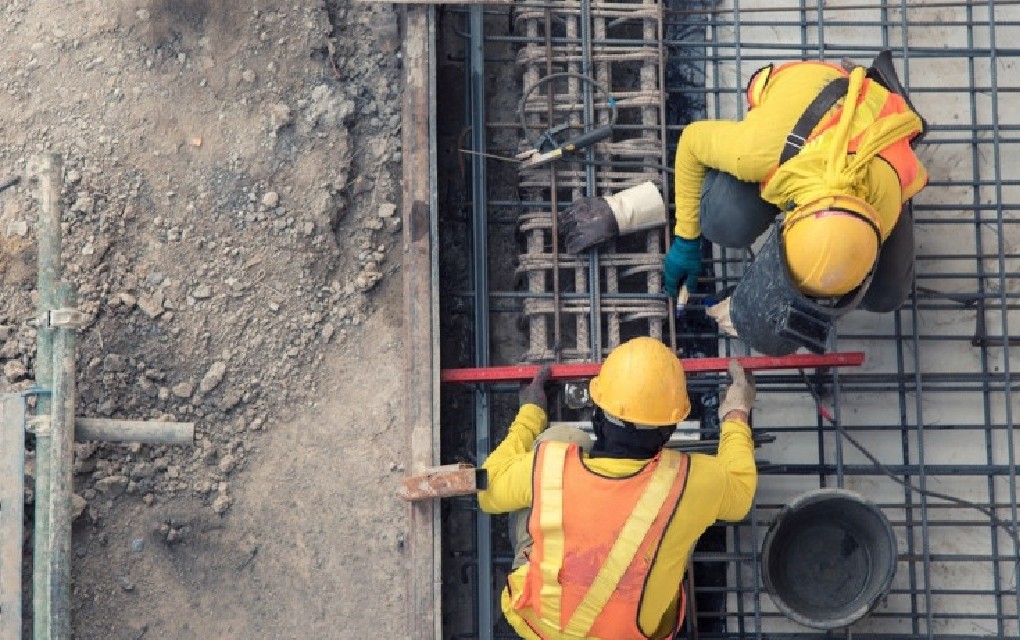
[{"x": 50, "y": 175}]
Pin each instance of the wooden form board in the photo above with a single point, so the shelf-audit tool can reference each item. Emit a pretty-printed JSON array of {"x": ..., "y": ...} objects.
[{"x": 421, "y": 317}]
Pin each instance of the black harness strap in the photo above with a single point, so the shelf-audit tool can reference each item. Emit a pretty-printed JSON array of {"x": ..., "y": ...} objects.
[{"x": 814, "y": 113}]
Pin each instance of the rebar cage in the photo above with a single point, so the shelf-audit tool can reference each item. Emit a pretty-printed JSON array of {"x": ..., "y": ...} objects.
[{"x": 934, "y": 401}]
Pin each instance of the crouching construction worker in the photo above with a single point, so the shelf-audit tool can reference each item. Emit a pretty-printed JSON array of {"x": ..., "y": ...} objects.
[
  {"x": 602, "y": 531},
  {"x": 831, "y": 149}
]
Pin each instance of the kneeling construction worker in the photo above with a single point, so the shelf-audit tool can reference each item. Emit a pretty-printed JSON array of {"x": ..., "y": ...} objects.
[
  {"x": 602, "y": 531},
  {"x": 829, "y": 148}
]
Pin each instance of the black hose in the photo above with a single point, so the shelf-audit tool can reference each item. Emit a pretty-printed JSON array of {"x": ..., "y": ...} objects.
[{"x": 555, "y": 76}]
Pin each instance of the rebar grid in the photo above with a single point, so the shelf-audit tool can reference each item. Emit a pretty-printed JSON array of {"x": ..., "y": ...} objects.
[
  {"x": 633, "y": 75},
  {"x": 935, "y": 399}
]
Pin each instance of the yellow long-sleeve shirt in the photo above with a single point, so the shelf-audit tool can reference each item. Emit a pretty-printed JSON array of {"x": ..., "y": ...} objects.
[
  {"x": 719, "y": 487},
  {"x": 750, "y": 149}
]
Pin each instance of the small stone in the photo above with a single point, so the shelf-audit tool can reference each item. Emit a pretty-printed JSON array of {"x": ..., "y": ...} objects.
[
  {"x": 78, "y": 505},
  {"x": 114, "y": 362},
  {"x": 213, "y": 377},
  {"x": 142, "y": 14},
  {"x": 308, "y": 228},
  {"x": 183, "y": 390},
  {"x": 327, "y": 331},
  {"x": 138, "y": 544},
  {"x": 202, "y": 292},
  {"x": 248, "y": 75},
  {"x": 387, "y": 210},
  {"x": 270, "y": 199},
  {"x": 221, "y": 504},
  {"x": 151, "y": 306},
  {"x": 17, "y": 228},
  {"x": 126, "y": 584},
  {"x": 280, "y": 115},
  {"x": 127, "y": 300},
  {"x": 14, "y": 371},
  {"x": 112, "y": 486},
  {"x": 148, "y": 499},
  {"x": 227, "y": 463}
]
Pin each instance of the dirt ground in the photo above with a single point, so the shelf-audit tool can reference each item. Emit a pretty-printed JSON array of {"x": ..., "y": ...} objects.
[{"x": 231, "y": 195}]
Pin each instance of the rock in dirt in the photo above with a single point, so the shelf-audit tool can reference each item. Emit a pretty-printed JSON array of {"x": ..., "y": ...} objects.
[
  {"x": 17, "y": 228},
  {"x": 213, "y": 377},
  {"x": 183, "y": 389},
  {"x": 151, "y": 306},
  {"x": 280, "y": 116},
  {"x": 78, "y": 505},
  {"x": 15, "y": 371},
  {"x": 112, "y": 486},
  {"x": 201, "y": 292},
  {"x": 270, "y": 199},
  {"x": 221, "y": 504},
  {"x": 387, "y": 210}
]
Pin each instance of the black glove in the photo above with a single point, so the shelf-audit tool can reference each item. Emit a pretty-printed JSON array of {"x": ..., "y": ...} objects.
[
  {"x": 587, "y": 222},
  {"x": 534, "y": 392}
]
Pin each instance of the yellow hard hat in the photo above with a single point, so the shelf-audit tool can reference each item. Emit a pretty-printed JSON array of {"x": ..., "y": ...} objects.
[
  {"x": 831, "y": 245},
  {"x": 642, "y": 382}
]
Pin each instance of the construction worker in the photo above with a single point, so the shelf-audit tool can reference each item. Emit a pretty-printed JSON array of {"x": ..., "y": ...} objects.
[
  {"x": 830, "y": 148},
  {"x": 602, "y": 531}
]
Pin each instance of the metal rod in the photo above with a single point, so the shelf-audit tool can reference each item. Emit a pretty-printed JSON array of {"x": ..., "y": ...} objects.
[
  {"x": 521, "y": 373},
  {"x": 145, "y": 431},
  {"x": 50, "y": 175},
  {"x": 12, "y": 512},
  {"x": 480, "y": 255}
]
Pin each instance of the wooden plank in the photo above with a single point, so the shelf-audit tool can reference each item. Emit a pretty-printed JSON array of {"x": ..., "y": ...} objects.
[
  {"x": 420, "y": 267},
  {"x": 443, "y": 482},
  {"x": 12, "y": 512}
]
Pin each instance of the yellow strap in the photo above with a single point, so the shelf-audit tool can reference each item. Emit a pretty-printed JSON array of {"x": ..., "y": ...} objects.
[
  {"x": 797, "y": 179},
  {"x": 550, "y": 521},
  {"x": 626, "y": 545}
]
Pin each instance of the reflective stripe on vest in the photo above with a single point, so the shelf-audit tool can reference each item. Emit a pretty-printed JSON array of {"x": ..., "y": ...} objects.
[
  {"x": 874, "y": 102},
  {"x": 580, "y": 567}
]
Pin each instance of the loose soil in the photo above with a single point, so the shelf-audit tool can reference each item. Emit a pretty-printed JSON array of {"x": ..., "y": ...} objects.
[{"x": 230, "y": 218}]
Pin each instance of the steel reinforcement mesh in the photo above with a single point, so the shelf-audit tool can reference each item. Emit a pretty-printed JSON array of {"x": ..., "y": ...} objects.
[{"x": 934, "y": 402}]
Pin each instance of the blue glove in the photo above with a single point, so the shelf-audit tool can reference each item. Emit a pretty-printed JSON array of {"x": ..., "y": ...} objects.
[{"x": 682, "y": 264}]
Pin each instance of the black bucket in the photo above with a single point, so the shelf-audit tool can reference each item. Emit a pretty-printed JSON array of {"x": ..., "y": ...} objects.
[{"x": 828, "y": 558}]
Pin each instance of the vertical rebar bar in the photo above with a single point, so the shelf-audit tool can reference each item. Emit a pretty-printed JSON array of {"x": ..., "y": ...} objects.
[
  {"x": 480, "y": 272},
  {"x": 50, "y": 175},
  {"x": 12, "y": 512},
  {"x": 594, "y": 273},
  {"x": 993, "y": 69}
]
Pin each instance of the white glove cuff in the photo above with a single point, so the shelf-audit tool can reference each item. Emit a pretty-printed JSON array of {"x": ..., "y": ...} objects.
[{"x": 638, "y": 208}]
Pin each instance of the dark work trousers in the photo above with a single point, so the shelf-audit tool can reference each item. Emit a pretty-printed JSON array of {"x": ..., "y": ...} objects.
[{"x": 733, "y": 215}]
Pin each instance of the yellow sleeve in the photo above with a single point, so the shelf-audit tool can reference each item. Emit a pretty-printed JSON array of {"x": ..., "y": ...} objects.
[
  {"x": 509, "y": 465},
  {"x": 736, "y": 457},
  {"x": 747, "y": 150},
  {"x": 719, "y": 487}
]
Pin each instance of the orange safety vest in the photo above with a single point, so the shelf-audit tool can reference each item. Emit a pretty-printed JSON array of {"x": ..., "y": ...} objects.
[
  {"x": 595, "y": 542},
  {"x": 875, "y": 100}
]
